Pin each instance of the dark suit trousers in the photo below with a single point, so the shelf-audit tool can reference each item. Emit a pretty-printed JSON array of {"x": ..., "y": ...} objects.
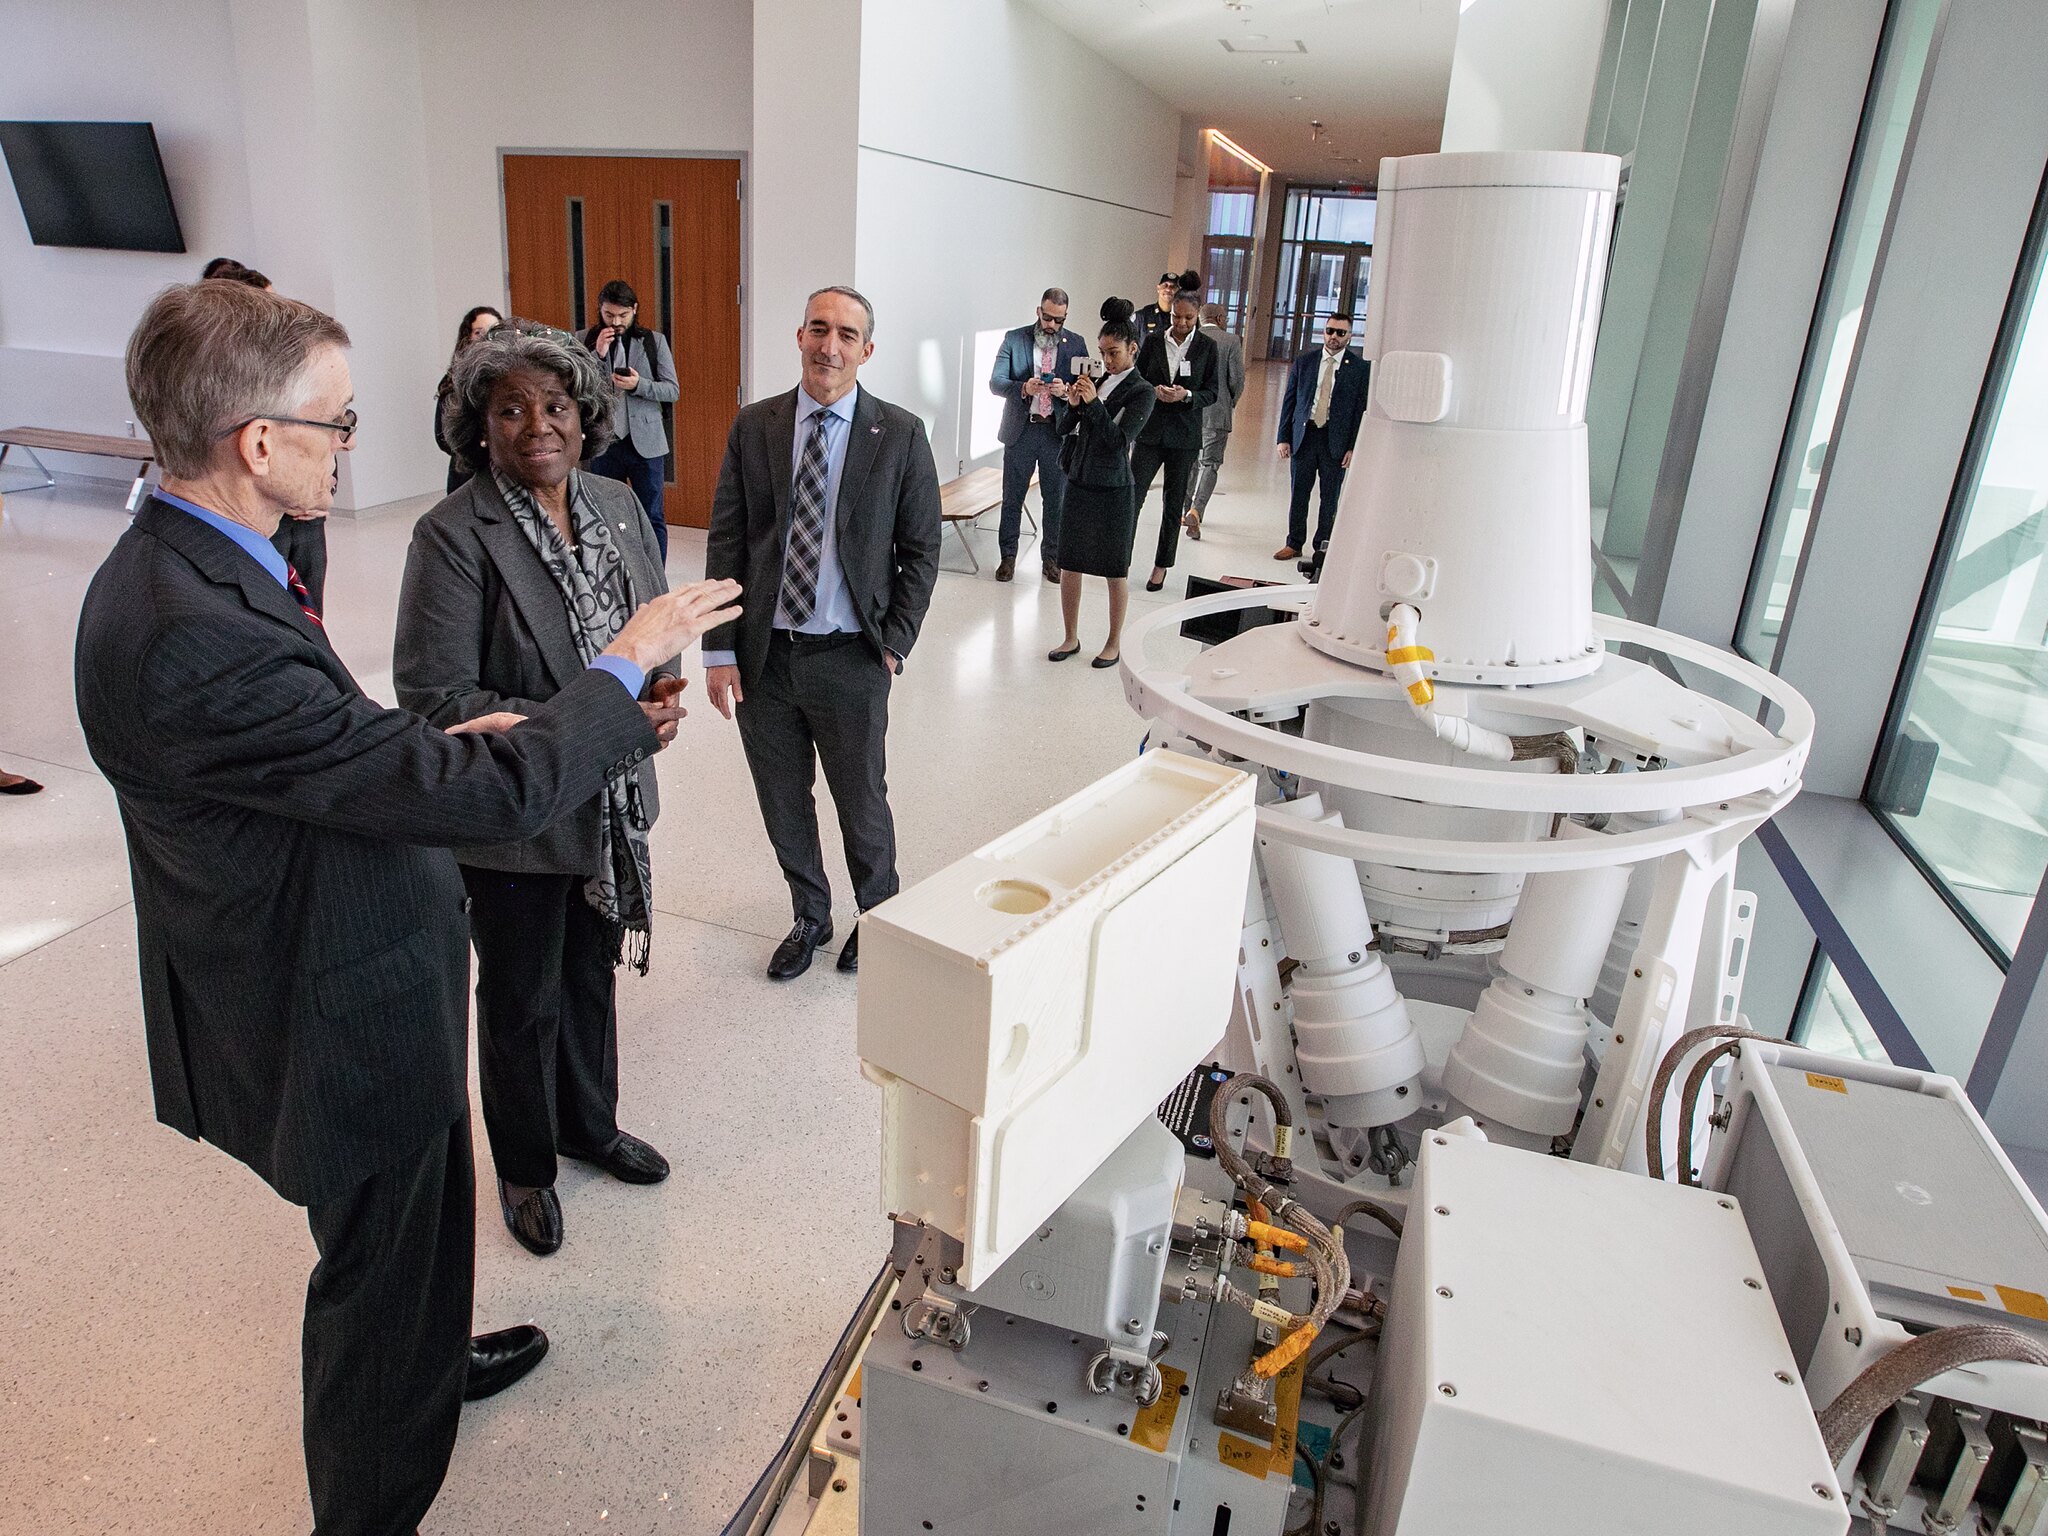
[
  {"x": 303, "y": 543},
  {"x": 622, "y": 461},
  {"x": 386, "y": 1347},
  {"x": 823, "y": 700},
  {"x": 1037, "y": 448},
  {"x": 547, "y": 1031},
  {"x": 1146, "y": 461},
  {"x": 1315, "y": 460}
]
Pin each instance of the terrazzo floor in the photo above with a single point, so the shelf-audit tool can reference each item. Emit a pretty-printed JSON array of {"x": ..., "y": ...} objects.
[{"x": 151, "y": 1288}]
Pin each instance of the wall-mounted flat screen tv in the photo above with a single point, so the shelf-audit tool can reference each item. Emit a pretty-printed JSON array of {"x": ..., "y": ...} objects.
[{"x": 92, "y": 184}]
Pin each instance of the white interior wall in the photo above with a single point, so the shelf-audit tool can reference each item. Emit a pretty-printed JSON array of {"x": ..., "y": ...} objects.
[
  {"x": 998, "y": 157},
  {"x": 524, "y": 74},
  {"x": 65, "y": 314},
  {"x": 1522, "y": 75}
]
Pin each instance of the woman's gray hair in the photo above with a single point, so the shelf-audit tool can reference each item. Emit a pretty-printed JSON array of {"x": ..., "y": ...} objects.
[
  {"x": 207, "y": 357},
  {"x": 514, "y": 345}
]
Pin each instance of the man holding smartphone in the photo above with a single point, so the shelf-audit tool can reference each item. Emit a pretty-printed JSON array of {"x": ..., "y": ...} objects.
[
  {"x": 644, "y": 372},
  {"x": 1033, "y": 365}
]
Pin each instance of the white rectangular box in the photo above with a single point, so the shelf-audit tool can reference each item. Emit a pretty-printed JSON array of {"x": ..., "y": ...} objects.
[
  {"x": 1577, "y": 1351},
  {"x": 1026, "y": 1007}
]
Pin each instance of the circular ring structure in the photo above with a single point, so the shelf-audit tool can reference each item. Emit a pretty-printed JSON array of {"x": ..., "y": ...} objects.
[{"x": 1165, "y": 694}]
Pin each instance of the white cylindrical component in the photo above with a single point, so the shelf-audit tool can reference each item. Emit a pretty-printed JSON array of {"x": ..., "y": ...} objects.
[
  {"x": 1468, "y": 491},
  {"x": 1353, "y": 1040},
  {"x": 1356, "y": 1046},
  {"x": 1561, "y": 929},
  {"x": 1521, "y": 1059},
  {"x": 1316, "y": 897}
]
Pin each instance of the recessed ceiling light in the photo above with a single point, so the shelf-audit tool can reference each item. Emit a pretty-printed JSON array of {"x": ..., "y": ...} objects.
[{"x": 1255, "y": 37}]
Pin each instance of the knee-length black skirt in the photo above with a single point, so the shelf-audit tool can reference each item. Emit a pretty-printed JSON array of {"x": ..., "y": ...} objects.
[{"x": 1097, "y": 530}]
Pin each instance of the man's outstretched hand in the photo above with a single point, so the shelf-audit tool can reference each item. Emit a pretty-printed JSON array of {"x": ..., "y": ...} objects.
[
  {"x": 662, "y": 710},
  {"x": 665, "y": 625}
]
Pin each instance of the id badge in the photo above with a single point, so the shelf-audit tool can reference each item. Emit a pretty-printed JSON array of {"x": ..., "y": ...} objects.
[{"x": 1184, "y": 370}]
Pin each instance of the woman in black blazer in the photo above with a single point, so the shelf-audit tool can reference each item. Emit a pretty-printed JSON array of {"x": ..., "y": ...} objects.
[
  {"x": 1184, "y": 369},
  {"x": 1098, "y": 419},
  {"x": 475, "y": 326},
  {"x": 513, "y": 586}
]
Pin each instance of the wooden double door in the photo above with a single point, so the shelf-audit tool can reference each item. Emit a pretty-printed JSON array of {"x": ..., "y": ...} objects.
[{"x": 671, "y": 229}]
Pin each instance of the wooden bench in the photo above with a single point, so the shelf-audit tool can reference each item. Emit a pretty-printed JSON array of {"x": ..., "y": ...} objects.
[
  {"x": 138, "y": 450},
  {"x": 964, "y": 500}
]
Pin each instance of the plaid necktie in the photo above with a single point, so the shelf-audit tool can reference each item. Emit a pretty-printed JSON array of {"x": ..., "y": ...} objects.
[
  {"x": 291, "y": 576},
  {"x": 806, "y": 528}
]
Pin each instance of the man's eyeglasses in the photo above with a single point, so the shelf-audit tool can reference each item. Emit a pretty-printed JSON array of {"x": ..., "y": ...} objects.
[
  {"x": 1336, "y": 330},
  {"x": 346, "y": 426}
]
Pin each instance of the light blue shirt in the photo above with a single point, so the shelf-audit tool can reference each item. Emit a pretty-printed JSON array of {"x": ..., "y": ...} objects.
[
  {"x": 260, "y": 549},
  {"x": 833, "y": 614},
  {"x": 265, "y": 554}
]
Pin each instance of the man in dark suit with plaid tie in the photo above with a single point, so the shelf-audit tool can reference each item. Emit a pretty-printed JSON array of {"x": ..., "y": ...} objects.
[{"x": 827, "y": 513}]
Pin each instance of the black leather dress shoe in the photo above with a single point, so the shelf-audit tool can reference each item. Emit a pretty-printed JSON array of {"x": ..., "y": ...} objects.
[
  {"x": 849, "y": 954},
  {"x": 496, "y": 1360},
  {"x": 792, "y": 956},
  {"x": 536, "y": 1221},
  {"x": 1006, "y": 568},
  {"x": 629, "y": 1160}
]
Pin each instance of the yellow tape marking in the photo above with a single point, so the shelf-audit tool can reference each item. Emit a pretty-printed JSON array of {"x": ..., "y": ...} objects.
[
  {"x": 1831, "y": 1084},
  {"x": 1153, "y": 1426},
  {"x": 1408, "y": 653},
  {"x": 1246, "y": 1456},
  {"x": 1287, "y": 1398},
  {"x": 2024, "y": 1303},
  {"x": 1964, "y": 1293},
  {"x": 853, "y": 1383}
]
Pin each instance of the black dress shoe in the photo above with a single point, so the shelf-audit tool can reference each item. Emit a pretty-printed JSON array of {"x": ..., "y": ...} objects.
[
  {"x": 629, "y": 1160},
  {"x": 792, "y": 956},
  {"x": 1006, "y": 568},
  {"x": 536, "y": 1221},
  {"x": 496, "y": 1360},
  {"x": 1050, "y": 570},
  {"x": 849, "y": 956}
]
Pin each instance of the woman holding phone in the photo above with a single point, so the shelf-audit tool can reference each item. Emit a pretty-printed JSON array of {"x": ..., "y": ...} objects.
[{"x": 1098, "y": 421}]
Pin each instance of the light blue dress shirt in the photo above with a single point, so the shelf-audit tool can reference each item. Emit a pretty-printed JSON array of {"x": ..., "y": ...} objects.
[
  {"x": 834, "y": 612},
  {"x": 265, "y": 554}
]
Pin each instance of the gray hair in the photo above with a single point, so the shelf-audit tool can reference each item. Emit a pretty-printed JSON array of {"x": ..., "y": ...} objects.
[
  {"x": 850, "y": 293},
  {"x": 514, "y": 345},
  {"x": 207, "y": 357}
]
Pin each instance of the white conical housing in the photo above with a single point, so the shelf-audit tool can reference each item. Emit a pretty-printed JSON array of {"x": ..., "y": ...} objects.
[{"x": 1467, "y": 494}]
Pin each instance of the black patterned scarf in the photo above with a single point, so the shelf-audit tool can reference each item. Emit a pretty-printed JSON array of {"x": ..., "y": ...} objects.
[{"x": 597, "y": 595}]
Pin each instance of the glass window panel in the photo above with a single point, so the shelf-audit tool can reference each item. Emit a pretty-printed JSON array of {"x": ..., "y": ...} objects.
[
  {"x": 1230, "y": 213},
  {"x": 1874, "y": 180},
  {"x": 1830, "y": 1021},
  {"x": 1965, "y": 776}
]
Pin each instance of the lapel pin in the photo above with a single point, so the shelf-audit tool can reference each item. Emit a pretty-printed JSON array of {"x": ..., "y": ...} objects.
[{"x": 876, "y": 430}]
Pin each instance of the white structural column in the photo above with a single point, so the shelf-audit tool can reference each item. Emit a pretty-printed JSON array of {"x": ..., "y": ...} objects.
[
  {"x": 807, "y": 89},
  {"x": 338, "y": 193}
]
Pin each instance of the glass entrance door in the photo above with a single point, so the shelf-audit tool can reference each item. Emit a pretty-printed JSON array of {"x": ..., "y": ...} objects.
[{"x": 1329, "y": 280}]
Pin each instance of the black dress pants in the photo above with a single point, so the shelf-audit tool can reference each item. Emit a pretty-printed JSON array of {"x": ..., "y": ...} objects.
[
  {"x": 1315, "y": 460},
  {"x": 1180, "y": 463},
  {"x": 386, "y": 1344},
  {"x": 547, "y": 1030},
  {"x": 823, "y": 699}
]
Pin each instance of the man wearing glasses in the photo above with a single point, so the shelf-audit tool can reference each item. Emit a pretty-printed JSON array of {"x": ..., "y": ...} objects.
[
  {"x": 1032, "y": 368},
  {"x": 301, "y": 927},
  {"x": 1319, "y": 417}
]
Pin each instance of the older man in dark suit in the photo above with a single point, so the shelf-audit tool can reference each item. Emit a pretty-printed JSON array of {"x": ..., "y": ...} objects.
[
  {"x": 827, "y": 510},
  {"x": 300, "y": 923},
  {"x": 1031, "y": 371},
  {"x": 1319, "y": 418}
]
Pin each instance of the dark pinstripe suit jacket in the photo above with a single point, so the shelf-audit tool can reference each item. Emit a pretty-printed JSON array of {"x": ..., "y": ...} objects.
[{"x": 300, "y": 922}]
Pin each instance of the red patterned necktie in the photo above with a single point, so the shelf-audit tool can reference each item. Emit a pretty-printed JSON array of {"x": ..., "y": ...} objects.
[{"x": 291, "y": 576}]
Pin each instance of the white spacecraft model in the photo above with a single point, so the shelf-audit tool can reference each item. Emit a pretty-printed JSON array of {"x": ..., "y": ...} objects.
[{"x": 1414, "y": 909}]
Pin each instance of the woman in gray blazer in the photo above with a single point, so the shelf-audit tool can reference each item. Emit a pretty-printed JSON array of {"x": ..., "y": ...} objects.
[{"x": 513, "y": 586}]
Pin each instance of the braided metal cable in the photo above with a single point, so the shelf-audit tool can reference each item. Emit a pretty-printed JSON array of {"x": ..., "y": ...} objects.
[{"x": 1912, "y": 1365}]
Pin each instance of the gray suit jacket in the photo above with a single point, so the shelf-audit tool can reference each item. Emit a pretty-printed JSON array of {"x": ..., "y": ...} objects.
[
  {"x": 1230, "y": 378},
  {"x": 481, "y": 628},
  {"x": 887, "y": 520},
  {"x": 636, "y": 418}
]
